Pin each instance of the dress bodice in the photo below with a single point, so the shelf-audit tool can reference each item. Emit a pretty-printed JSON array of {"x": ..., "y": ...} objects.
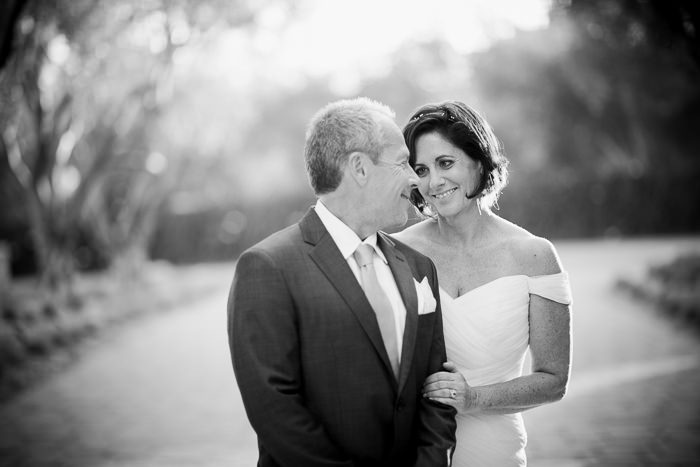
[{"x": 486, "y": 336}]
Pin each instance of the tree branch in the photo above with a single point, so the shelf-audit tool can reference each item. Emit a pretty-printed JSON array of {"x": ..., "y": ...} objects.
[{"x": 10, "y": 11}]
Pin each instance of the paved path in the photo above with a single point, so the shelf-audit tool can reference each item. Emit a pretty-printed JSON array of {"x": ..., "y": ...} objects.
[
  {"x": 633, "y": 397},
  {"x": 160, "y": 392}
]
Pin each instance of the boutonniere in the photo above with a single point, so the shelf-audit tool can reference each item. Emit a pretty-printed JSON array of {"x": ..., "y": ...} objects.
[{"x": 426, "y": 301}]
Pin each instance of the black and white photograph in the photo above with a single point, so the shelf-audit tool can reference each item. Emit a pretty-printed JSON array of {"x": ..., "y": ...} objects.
[{"x": 349, "y": 233}]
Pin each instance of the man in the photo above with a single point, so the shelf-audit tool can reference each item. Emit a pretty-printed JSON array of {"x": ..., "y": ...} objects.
[{"x": 333, "y": 327}]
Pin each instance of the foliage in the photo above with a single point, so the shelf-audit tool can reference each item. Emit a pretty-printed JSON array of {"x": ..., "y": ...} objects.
[
  {"x": 683, "y": 270},
  {"x": 672, "y": 287},
  {"x": 81, "y": 100},
  {"x": 41, "y": 332},
  {"x": 123, "y": 135},
  {"x": 222, "y": 233},
  {"x": 599, "y": 118}
]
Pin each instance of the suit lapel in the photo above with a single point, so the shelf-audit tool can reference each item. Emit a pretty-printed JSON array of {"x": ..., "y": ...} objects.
[
  {"x": 327, "y": 257},
  {"x": 404, "y": 280}
]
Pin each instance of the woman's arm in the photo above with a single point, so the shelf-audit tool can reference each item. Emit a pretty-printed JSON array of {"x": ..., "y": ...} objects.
[{"x": 550, "y": 348}]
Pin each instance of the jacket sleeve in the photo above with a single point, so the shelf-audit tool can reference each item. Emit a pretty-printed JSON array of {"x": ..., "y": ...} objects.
[
  {"x": 264, "y": 347},
  {"x": 436, "y": 439}
]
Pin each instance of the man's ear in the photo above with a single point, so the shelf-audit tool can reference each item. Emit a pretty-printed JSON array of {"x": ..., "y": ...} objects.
[{"x": 357, "y": 167}]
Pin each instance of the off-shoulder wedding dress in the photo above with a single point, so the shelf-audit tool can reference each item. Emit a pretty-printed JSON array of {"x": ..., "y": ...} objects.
[{"x": 486, "y": 336}]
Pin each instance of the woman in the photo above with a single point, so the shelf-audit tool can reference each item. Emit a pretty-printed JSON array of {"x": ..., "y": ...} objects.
[{"x": 502, "y": 288}]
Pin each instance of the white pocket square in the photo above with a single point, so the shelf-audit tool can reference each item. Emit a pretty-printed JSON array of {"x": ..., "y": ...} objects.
[{"x": 426, "y": 301}]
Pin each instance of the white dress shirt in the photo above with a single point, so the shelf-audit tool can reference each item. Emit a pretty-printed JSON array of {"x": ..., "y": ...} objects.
[{"x": 348, "y": 241}]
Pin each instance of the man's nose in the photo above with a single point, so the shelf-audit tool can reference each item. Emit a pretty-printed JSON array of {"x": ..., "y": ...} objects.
[{"x": 412, "y": 178}]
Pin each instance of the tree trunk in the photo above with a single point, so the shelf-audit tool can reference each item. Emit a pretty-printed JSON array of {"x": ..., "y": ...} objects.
[{"x": 5, "y": 275}]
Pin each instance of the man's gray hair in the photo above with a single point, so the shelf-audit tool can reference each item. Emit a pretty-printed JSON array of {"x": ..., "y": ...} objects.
[{"x": 335, "y": 131}]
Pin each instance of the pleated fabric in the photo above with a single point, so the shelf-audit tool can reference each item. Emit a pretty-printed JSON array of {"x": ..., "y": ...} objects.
[{"x": 486, "y": 336}]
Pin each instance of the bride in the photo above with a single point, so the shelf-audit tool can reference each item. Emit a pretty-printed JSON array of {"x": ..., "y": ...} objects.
[{"x": 503, "y": 289}]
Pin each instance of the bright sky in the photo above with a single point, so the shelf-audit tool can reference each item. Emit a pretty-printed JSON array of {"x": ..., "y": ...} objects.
[
  {"x": 355, "y": 37},
  {"x": 335, "y": 34}
]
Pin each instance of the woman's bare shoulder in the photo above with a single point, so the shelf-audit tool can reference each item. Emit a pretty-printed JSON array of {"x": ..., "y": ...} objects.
[
  {"x": 535, "y": 255},
  {"x": 416, "y": 235}
]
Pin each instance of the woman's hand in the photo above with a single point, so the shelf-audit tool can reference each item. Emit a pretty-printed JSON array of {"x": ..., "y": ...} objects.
[{"x": 450, "y": 388}]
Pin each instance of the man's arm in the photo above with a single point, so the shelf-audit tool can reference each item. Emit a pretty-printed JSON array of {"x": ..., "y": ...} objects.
[
  {"x": 436, "y": 439},
  {"x": 265, "y": 351}
]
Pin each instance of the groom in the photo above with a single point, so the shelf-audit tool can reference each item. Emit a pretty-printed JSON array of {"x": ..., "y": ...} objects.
[{"x": 334, "y": 326}]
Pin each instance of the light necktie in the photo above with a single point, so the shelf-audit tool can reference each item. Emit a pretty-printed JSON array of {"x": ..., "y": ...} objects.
[{"x": 380, "y": 303}]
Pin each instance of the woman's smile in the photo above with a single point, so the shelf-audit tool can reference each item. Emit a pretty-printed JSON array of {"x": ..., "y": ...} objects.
[{"x": 444, "y": 194}]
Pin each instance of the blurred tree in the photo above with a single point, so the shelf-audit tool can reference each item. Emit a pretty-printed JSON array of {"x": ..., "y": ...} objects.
[
  {"x": 635, "y": 67},
  {"x": 602, "y": 107},
  {"x": 10, "y": 11},
  {"x": 598, "y": 137},
  {"x": 81, "y": 91},
  {"x": 671, "y": 24},
  {"x": 266, "y": 186},
  {"x": 114, "y": 113}
]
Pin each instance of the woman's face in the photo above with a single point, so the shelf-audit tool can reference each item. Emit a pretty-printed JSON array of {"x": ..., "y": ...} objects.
[{"x": 446, "y": 174}]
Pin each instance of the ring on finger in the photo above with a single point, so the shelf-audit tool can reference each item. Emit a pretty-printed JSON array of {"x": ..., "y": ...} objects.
[{"x": 453, "y": 394}]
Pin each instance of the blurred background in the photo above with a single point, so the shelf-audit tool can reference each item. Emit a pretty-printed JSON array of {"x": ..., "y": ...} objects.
[{"x": 145, "y": 143}]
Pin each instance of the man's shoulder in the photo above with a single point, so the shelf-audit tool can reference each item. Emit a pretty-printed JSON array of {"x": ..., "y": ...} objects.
[
  {"x": 408, "y": 251},
  {"x": 417, "y": 236},
  {"x": 278, "y": 243}
]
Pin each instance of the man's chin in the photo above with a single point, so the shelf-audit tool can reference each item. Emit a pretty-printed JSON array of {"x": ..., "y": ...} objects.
[{"x": 395, "y": 221}]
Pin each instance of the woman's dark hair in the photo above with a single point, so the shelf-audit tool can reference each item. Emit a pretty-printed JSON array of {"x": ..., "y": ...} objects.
[{"x": 466, "y": 129}]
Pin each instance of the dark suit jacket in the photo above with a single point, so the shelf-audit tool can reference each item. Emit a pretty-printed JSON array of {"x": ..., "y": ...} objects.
[{"x": 311, "y": 365}]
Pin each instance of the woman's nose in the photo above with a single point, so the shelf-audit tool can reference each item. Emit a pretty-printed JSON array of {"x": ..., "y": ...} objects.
[{"x": 436, "y": 179}]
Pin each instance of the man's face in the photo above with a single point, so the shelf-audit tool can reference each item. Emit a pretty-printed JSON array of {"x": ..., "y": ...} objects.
[{"x": 392, "y": 179}]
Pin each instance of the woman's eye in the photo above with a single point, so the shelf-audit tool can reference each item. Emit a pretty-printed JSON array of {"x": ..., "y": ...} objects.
[
  {"x": 446, "y": 163},
  {"x": 421, "y": 171}
]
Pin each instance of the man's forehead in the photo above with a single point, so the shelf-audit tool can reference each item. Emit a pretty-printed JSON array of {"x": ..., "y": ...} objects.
[
  {"x": 396, "y": 151},
  {"x": 390, "y": 130},
  {"x": 385, "y": 123}
]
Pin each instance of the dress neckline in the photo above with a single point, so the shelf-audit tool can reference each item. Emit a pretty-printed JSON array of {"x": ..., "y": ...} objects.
[
  {"x": 480, "y": 286},
  {"x": 496, "y": 280}
]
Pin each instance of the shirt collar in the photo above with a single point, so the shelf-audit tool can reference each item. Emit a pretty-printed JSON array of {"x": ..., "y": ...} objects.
[{"x": 343, "y": 236}]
